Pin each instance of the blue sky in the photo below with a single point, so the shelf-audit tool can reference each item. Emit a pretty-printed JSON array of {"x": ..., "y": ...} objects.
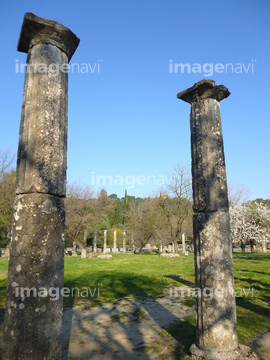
[{"x": 124, "y": 120}]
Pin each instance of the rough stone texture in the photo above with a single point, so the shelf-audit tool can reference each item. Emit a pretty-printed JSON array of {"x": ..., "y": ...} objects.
[
  {"x": 114, "y": 241},
  {"x": 208, "y": 162},
  {"x": 105, "y": 242},
  {"x": 33, "y": 325},
  {"x": 41, "y": 165},
  {"x": 132, "y": 243},
  {"x": 74, "y": 248},
  {"x": 241, "y": 353},
  {"x": 204, "y": 89},
  {"x": 105, "y": 256},
  {"x": 95, "y": 242},
  {"x": 33, "y": 320},
  {"x": 124, "y": 241},
  {"x": 264, "y": 246},
  {"x": 83, "y": 254},
  {"x": 169, "y": 255},
  {"x": 214, "y": 280},
  {"x": 36, "y": 30},
  {"x": 85, "y": 238},
  {"x": 183, "y": 243},
  {"x": 216, "y": 317}
]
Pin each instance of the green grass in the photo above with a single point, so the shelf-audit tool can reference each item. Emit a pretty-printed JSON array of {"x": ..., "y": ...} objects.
[
  {"x": 124, "y": 275},
  {"x": 148, "y": 275},
  {"x": 251, "y": 272}
]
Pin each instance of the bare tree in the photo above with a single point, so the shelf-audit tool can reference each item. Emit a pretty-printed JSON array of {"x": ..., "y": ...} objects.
[
  {"x": 140, "y": 221},
  {"x": 175, "y": 202},
  {"x": 6, "y": 162},
  {"x": 237, "y": 195},
  {"x": 78, "y": 209},
  {"x": 85, "y": 211}
]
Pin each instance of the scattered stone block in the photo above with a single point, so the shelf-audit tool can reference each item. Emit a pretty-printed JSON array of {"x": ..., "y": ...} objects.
[
  {"x": 166, "y": 255},
  {"x": 104, "y": 256}
]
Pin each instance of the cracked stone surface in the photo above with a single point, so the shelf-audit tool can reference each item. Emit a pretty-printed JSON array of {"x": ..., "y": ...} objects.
[
  {"x": 33, "y": 315},
  {"x": 216, "y": 315}
]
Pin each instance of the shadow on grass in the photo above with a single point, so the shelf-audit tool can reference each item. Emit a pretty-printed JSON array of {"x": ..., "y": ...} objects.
[
  {"x": 249, "y": 256},
  {"x": 181, "y": 281},
  {"x": 140, "y": 293},
  {"x": 259, "y": 289},
  {"x": 256, "y": 272},
  {"x": 257, "y": 309}
]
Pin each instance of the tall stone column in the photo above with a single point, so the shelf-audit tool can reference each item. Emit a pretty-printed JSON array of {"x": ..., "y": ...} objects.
[
  {"x": 85, "y": 238},
  {"x": 74, "y": 248},
  {"x": 33, "y": 322},
  {"x": 114, "y": 242},
  {"x": 132, "y": 243},
  {"x": 95, "y": 242},
  {"x": 124, "y": 241},
  {"x": 214, "y": 279},
  {"x": 105, "y": 242},
  {"x": 183, "y": 243}
]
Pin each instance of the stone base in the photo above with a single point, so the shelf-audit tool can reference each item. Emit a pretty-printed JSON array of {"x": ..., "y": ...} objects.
[
  {"x": 241, "y": 353},
  {"x": 169, "y": 255},
  {"x": 105, "y": 256}
]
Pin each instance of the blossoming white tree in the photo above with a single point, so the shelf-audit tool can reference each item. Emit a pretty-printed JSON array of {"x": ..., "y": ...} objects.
[{"x": 250, "y": 223}]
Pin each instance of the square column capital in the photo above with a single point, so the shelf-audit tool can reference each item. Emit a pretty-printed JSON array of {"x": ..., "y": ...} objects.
[
  {"x": 202, "y": 90},
  {"x": 36, "y": 30}
]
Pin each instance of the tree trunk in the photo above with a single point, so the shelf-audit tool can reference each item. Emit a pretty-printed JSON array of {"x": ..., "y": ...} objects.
[{"x": 252, "y": 246}]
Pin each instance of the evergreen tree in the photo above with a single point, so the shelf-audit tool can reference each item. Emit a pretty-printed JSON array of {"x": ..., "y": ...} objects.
[
  {"x": 125, "y": 207},
  {"x": 118, "y": 213}
]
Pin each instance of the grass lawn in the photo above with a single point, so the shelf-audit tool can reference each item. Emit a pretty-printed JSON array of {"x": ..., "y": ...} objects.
[{"x": 146, "y": 275}]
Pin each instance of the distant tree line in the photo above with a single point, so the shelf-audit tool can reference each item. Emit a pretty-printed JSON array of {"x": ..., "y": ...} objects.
[
  {"x": 160, "y": 218},
  {"x": 154, "y": 219}
]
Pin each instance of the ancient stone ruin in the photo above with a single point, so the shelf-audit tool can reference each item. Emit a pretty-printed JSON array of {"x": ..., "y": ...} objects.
[
  {"x": 216, "y": 314},
  {"x": 33, "y": 323}
]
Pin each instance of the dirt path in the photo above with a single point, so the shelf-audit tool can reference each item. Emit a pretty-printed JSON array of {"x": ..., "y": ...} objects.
[{"x": 132, "y": 329}]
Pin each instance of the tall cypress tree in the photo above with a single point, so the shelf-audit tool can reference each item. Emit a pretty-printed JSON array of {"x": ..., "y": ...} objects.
[
  {"x": 125, "y": 207},
  {"x": 118, "y": 215}
]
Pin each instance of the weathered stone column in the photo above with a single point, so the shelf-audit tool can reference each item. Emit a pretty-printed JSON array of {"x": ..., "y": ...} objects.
[
  {"x": 214, "y": 279},
  {"x": 83, "y": 253},
  {"x": 264, "y": 246},
  {"x": 132, "y": 243},
  {"x": 74, "y": 248},
  {"x": 105, "y": 242},
  {"x": 95, "y": 242},
  {"x": 85, "y": 238},
  {"x": 124, "y": 241},
  {"x": 183, "y": 243},
  {"x": 114, "y": 242},
  {"x": 33, "y": 322}
]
